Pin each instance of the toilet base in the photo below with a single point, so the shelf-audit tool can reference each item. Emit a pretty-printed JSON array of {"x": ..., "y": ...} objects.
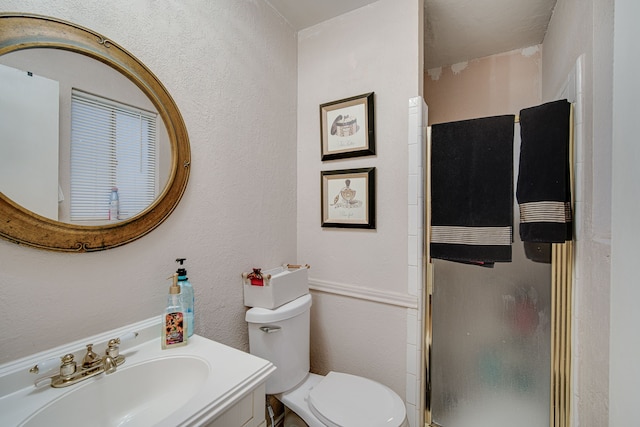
[
  {"x": 291, "y": 419},
  {"x": 295, "y": 400}
]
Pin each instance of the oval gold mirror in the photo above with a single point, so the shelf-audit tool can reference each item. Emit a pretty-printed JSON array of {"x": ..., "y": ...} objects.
[{"x": 20, "y": 224}]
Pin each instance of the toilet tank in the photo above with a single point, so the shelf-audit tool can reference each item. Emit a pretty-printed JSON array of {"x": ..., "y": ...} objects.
[{"x": 281, "y": 336}]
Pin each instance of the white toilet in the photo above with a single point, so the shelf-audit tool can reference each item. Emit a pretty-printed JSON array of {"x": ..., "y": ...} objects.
[{"x": 281, "y": 336}]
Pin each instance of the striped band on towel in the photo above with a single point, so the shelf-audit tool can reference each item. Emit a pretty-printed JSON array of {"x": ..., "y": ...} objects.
[
  {"x": 459, "y": 235},
  {"x": 559, "y": 212}
]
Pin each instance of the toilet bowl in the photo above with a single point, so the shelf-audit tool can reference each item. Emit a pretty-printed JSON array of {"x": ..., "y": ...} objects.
[
  {"x": 343, "y": 400},
  {"x": 338, "y": 399}
]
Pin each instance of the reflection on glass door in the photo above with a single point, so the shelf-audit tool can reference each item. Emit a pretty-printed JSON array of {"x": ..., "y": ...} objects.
[{"x": 490, "y": 354}]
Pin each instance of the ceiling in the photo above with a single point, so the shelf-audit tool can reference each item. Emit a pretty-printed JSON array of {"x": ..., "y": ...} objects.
[{"x": 454, "y": 30}]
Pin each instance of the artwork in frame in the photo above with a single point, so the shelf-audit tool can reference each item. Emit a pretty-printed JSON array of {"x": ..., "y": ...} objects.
[
  {"x": 347, "y": 127},
  {"x": 349, "y": 198}
]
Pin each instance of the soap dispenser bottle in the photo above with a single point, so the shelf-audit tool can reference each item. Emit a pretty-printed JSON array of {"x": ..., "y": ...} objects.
[
  {"x": 188, "y": 295},
  {"x": 174, "y": 325}
]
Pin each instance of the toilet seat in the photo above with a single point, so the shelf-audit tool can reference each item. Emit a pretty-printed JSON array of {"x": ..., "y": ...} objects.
[{"x": 343, "y": 400}]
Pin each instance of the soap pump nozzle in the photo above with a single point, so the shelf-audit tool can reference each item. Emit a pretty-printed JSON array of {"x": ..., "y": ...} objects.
[
  {"x": 181, "y": 271},
  {"x": 174, "y": 288}
]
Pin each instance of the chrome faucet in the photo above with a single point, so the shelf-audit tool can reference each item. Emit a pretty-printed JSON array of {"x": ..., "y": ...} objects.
[{"x": 92, "y": 365}]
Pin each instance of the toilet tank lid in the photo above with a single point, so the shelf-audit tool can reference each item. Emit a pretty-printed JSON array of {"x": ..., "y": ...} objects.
[{"x": 286, "y": 311}]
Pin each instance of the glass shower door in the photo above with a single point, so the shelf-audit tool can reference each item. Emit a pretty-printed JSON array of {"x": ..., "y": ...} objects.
[
  {"x": 490, "y": 354},
  {"x": 490, "y": 357}
]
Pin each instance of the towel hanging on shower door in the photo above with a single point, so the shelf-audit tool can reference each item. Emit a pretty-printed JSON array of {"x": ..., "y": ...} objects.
[
  {"x": 472, "y": 190},
  {"x": 544, "y": 188}
]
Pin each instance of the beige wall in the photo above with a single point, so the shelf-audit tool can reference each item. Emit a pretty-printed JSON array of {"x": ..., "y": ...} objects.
[
  {"x": 231, "y": 68},
  {"x": 372, "y": 49},
  {"x": 491, "y": 86}
]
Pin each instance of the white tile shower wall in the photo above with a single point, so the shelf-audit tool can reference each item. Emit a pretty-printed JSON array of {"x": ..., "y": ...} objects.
[
  {"x": 579, "y": 214},
  {"x": 578, "y": 144},
  {"x": 415, "y": 252}
]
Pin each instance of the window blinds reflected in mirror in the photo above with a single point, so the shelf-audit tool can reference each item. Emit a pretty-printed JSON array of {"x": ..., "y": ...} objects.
[{"x": 113, "y": 145}]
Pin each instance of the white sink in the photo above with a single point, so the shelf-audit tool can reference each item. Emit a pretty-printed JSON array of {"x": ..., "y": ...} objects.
[
  {"x": 140, "y": 395},
  {"x": 187, "y": 386}
]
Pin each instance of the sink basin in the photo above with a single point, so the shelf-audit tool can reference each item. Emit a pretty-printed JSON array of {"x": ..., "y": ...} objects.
[
  {"x": 195, "y": 385},
  {"x": 140, "y": 395}
]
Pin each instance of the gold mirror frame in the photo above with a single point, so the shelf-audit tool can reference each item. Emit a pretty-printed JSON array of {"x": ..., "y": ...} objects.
[{"x": 20, "y": 31}]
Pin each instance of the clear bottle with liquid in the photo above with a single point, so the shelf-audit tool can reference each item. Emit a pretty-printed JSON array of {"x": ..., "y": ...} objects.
[
  {"x": 114, "y": 205},
  {"x": 187, "y": 294}
]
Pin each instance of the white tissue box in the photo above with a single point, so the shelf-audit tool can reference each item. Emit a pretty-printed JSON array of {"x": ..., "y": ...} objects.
[{"x": 283, "y": 286}]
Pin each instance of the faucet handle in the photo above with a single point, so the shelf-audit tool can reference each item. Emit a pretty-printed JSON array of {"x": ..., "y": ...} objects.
[
  {"x": 67, "y": 370},
  {"x": 129, "y": 336},
  {"x": 45, "y": 365},
  {"x": 68, "y": 367},
  {"x": 113, "y": 348}
]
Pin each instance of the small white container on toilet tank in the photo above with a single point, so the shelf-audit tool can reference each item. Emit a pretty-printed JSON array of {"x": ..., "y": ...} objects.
[{"x": 283, "y": 286}]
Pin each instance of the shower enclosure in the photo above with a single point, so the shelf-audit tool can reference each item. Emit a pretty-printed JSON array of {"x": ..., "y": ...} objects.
[{"x": 498, "y": 339}]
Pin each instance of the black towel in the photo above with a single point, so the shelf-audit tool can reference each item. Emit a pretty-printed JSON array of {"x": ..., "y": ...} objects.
[
  {"x": 543, "y": 192},
  {"x": 472, "y": 190}
]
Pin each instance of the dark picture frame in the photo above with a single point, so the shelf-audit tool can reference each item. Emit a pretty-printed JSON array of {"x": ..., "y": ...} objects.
[
  {"x": 348, "y": 198},
  {"x": 347, "y": 127}
]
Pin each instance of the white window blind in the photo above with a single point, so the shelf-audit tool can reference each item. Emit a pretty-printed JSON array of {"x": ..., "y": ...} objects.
[{"x": 112, "y": 145}]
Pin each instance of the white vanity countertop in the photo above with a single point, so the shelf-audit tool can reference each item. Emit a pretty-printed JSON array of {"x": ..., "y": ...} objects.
[{"x": 232, "y": 375}]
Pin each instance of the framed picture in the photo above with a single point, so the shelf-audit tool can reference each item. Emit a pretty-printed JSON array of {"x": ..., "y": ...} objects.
[
  {"x": 347, "y": 128},
  {"x": 348, "y": 198}
]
